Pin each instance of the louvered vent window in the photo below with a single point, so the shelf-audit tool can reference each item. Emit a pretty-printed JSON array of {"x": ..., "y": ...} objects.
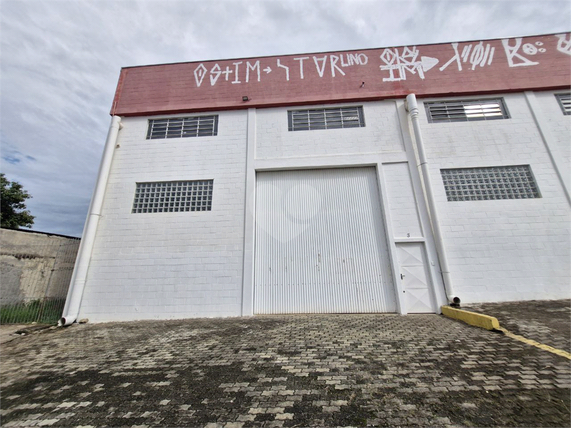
[
  {"x": 173, "y": 196},
  {"x": 482, "y": 184},
  {"x": 467, "y": 110},
  {"x": 325, "y": 118},
  {"x": 564, "y": 102},
  {"x": 182, "y": 127}
]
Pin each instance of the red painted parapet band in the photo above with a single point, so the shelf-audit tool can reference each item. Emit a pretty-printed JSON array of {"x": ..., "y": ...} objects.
[{"x": 501, "y": 65}]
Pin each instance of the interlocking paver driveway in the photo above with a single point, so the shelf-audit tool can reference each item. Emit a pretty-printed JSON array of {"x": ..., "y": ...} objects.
[
  {"x": 546, "y": 321},
  {"x": 299, "y": 370}
]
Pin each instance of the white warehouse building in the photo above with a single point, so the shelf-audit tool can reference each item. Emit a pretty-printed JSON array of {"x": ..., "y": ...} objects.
[{"x": 381, "y": 180}]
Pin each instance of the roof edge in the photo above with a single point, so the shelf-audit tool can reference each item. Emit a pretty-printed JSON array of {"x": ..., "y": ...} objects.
[
  {"x": 339, "y": 101},
  {"x": 42, "y": 233}
]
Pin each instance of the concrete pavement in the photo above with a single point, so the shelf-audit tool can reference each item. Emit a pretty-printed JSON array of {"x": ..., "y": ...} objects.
[{"x": 282, "y": 371}]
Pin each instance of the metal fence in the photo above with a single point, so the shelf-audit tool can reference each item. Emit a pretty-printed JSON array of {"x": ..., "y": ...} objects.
[{"x": 35, "y": 273}]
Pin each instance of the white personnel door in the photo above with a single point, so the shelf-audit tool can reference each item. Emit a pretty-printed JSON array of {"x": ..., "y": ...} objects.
[
  {"x": 320, "y": 243},
  {"x": 415, "y": 278}
]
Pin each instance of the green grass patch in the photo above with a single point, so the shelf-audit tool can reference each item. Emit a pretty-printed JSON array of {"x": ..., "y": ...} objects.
[{"x": 45, "y": 311}]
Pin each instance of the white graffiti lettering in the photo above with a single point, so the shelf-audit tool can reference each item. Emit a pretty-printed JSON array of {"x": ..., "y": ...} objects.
[
  {"x": 529, "y": 49},
  {"x": 301, "y": 59},
  {"x": 199, "y": 74},
  {"x": 215, "y": 73},
  {"x": 227, "y": 72},
  {"x": 249, "y": 67},
  {"x": 236, "y": 65},
  {"x": 280, "y": 65},
  {"x": 407, "y": 61},
  {"x": 323, "y": 60},
  {"x": 512, "y": 54},
  {"x": 456, "y": 58},
  {"x": 353, "y": 59},
  {"x": 564, "y": 43},
  {"x": 482, "y": 55},
  {"x": 334, "y": 59},
  {"x": 398, "y": 62},
  {"x": 336, "y": 62},
  {"x": 479, "y": 55}
]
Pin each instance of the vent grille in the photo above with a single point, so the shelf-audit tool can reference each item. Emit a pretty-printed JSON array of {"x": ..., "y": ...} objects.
[
  {"x": 327, "y": 118},
  {"x": 173, "y": 196},
  {"x": 564, "y": 102},
  {"x": 467, "y": 110},
  {"x": 483, "y": 184},
  {"x": 182, "y": 127}
]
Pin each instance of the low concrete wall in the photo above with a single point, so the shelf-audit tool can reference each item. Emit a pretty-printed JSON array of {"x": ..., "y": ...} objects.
[{"x": 35, "y": 266}]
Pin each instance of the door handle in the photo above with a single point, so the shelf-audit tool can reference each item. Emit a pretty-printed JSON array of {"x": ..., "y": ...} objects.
[{"x": 401, "y": 276}]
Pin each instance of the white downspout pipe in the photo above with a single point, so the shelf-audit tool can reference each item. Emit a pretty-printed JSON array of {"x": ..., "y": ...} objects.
[
  {"x": 79, "y": 277},
  {"x": 412, "y": 107}
]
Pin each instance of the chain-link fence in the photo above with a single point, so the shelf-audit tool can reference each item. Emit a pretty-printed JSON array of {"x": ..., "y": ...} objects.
[{"x": 35, "y": 272}]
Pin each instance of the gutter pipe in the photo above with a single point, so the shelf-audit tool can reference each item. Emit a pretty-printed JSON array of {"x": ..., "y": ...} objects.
[
  {"x": 412, "y": 108},
  {"x": 79, "y": 277}
]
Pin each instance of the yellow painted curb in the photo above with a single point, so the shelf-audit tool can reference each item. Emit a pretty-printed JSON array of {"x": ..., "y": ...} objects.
[
  {"x": 472, "y": 318},
  {"x": 536, "y": 344},
  {"x": 491, "y": 323}
]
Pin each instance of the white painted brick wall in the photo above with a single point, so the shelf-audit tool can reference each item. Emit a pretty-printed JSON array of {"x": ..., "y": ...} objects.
[
  {"x": 170, "y": 265},
  {"x": 380, "y": 134},
  {"x": 402, "y": 203},
  {"x": 505, "y": 249},
  {"x": 559, "y": 125},
  {"x": 176, "y": 265}
]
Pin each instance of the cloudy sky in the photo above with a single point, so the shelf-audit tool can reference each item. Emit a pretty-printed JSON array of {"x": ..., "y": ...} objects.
[{"x": 60, "y": 61}]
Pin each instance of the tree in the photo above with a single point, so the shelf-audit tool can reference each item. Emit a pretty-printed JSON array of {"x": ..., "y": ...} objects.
[{"x": 14, "y": 213}]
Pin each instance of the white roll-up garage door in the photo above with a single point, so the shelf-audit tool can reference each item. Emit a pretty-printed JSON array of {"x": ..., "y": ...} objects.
[{"x": 320, "y": 243}]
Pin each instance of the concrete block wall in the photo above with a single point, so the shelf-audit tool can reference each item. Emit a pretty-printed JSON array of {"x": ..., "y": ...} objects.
[
  {"x": 170, "y": 265},
  {"x": 502, "y": 250},
  {"x": 34, "y": 266}
]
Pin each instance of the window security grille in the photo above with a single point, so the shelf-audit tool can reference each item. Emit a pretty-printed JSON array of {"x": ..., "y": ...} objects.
[
  {"x": 466, "y": 110},
  {"x": 182, "y": 127},
  {"x": 564, "y": 102},
  {"x": 173, "y": 196},
  {"x": 482, "y": 184},
  {"x": 326, "y": 118}
]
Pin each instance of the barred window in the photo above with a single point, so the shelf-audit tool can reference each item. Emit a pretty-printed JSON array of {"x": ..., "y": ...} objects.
[
  {"x": 466, "y": 110},
  {"x": 326, "y": 118},
  {"x": 482, "y": 184},
  {"x": 182, "y": 127},
  {"x": 564, "y": 102},
  {"x": 173, "y": 196}
]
